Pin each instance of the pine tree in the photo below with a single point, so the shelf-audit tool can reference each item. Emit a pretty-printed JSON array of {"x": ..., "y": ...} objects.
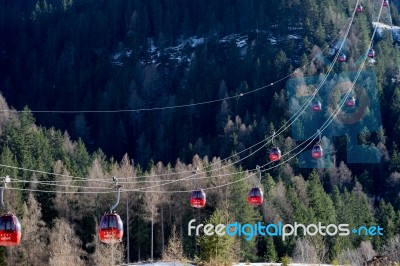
[
  {"x": 385, "y": 217},
  {"x": 281, "y": 64},
  {"x": 320, "y": 203},
  {"x": 301, "y": 212},
  {"x": 244, "y": 214},
  {"x": 355, "y": 211},
  {"x": 217, "y": 250},
  {"x": 270, "y": 254},
  {"x": 395, "y": 160}
]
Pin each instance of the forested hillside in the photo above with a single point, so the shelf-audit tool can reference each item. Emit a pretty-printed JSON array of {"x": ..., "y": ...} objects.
[
  {"x": 150, "y": 91},
  {"x": 102, "y": 55}
]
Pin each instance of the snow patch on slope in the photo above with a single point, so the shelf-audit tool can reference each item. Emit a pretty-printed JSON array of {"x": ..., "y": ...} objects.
[
  {"x": 184, "y": 50},
  {"x": 235, "y": 264},
  {"x": 385, "y": 26}
]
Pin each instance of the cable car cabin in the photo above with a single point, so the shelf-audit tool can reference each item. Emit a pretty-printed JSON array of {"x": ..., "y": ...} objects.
[
  {"x": 275, "y": 154},
  {"x": 371, "y": 53},
  {"x": 342, "y": 57},
  {"x": 111, "y": 228},
  {"x": 316, "y": 106},
  {"x": 359, "y": 9},
  {"x": 198, "y": 199},
  {"x": 10, "y": 230},
  {"x": 316, "y": 152},
  {"x": 385, "y": 3},
  {"x": 351, "y": 101},
  {"x": 255, "y": 196}
]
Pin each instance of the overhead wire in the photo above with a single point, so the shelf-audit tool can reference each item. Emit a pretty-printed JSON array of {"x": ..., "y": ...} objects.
[
  {"x": 295, "y": 116},
  {"x": 298, "y": 112},
  {"x": 264, "y": 140},
  {"x": 324, "y": 126},
  {"x": 164, "y": 107},
  {"x": 338, "y": 108},
  {"x": 279, "y": 131}
]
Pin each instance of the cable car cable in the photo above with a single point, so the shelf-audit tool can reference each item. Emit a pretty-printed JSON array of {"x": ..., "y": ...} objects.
[
  {"x": 172, "y": 173},
  {"x": 170, "y": 107},
  {"x": 279, "y": 131},
  {"x": 99, "y": 180}
]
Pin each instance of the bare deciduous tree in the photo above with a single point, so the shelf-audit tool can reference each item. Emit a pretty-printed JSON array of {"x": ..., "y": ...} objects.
[
  {"x": 358, "y": 256},
  {"x": 5, "y": 117},
  {"x": 152, "y": 201},
  {"x": 65, "y": 246},
  {"x": 34, "y": 236},
  {"x": 305, "y": 252},
  {"x": 94, "y": 201},
  {"x": 392, "y": 249},
  {"x": 64, "y": 201},
  {"x": 107, "y": 254},
  {"x": 174, "y": 250}
]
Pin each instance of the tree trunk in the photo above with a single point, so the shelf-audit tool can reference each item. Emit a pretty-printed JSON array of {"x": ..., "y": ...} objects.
[
  {"x": 152, "y": 234},
  {"x": 139, "y": 242},
  {"x": 127, "y": 229},
  {"x": 162, "y": 228}
]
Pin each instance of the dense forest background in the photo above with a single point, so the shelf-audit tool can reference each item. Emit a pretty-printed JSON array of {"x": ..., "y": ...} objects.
[{"x": 121, "y": 55}]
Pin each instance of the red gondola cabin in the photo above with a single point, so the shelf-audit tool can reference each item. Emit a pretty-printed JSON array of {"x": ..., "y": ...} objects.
[
  {"x": 111, "y": 228},
  {"x": 275, "y": 154},
  {"x": 342, "y": 57},
  {"x": 371, "y": 53},
  {"x": 316, "y": 106},
  {"x": 350, "y": 101},
  {"x": 10, "y": 230},
  {"x": 360, "y": 9},
  {"x": 198, "y": 199},
  {"x": 255, "y": 196},
  {"x": 316, "y": 152},
  {"x": 385, "y": 3}
]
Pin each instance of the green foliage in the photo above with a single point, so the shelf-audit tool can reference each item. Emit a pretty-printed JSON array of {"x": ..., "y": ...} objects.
[
  {"x": 240, "y": 210},
  {"x": 335, "y": 262},
  {"x": 302, "y": 213},
  {"x": 286, "y": 260},
  {"x": 320, "y": 202},
  {"x": 270, "y": 254},
  {"x": 215, "y": 249},
  {"x": 3, "y": 256},
  {"x": 386, "y": 218},
  {"x": 395, "y": 161},
  {"x": 63, "y": 58}
]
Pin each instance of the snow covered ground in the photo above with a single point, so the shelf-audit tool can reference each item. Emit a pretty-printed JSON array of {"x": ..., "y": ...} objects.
[
  {"x": 183, "y": 51},
  {"x": 385, "y": 26},
  {"x": 159, "y": 264},
  {"x": 236, "y": 264}
]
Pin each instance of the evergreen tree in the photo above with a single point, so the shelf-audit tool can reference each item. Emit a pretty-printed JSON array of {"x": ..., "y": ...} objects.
[
  {"x": 320, "y": 203},
  {"x": 242, "y": 213},
  {"x": 394, "y": 165},
  {"x": 386, "y": 219},
  {"x": 215, "y": 249},
  {"x": 270, "y": 254}
]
